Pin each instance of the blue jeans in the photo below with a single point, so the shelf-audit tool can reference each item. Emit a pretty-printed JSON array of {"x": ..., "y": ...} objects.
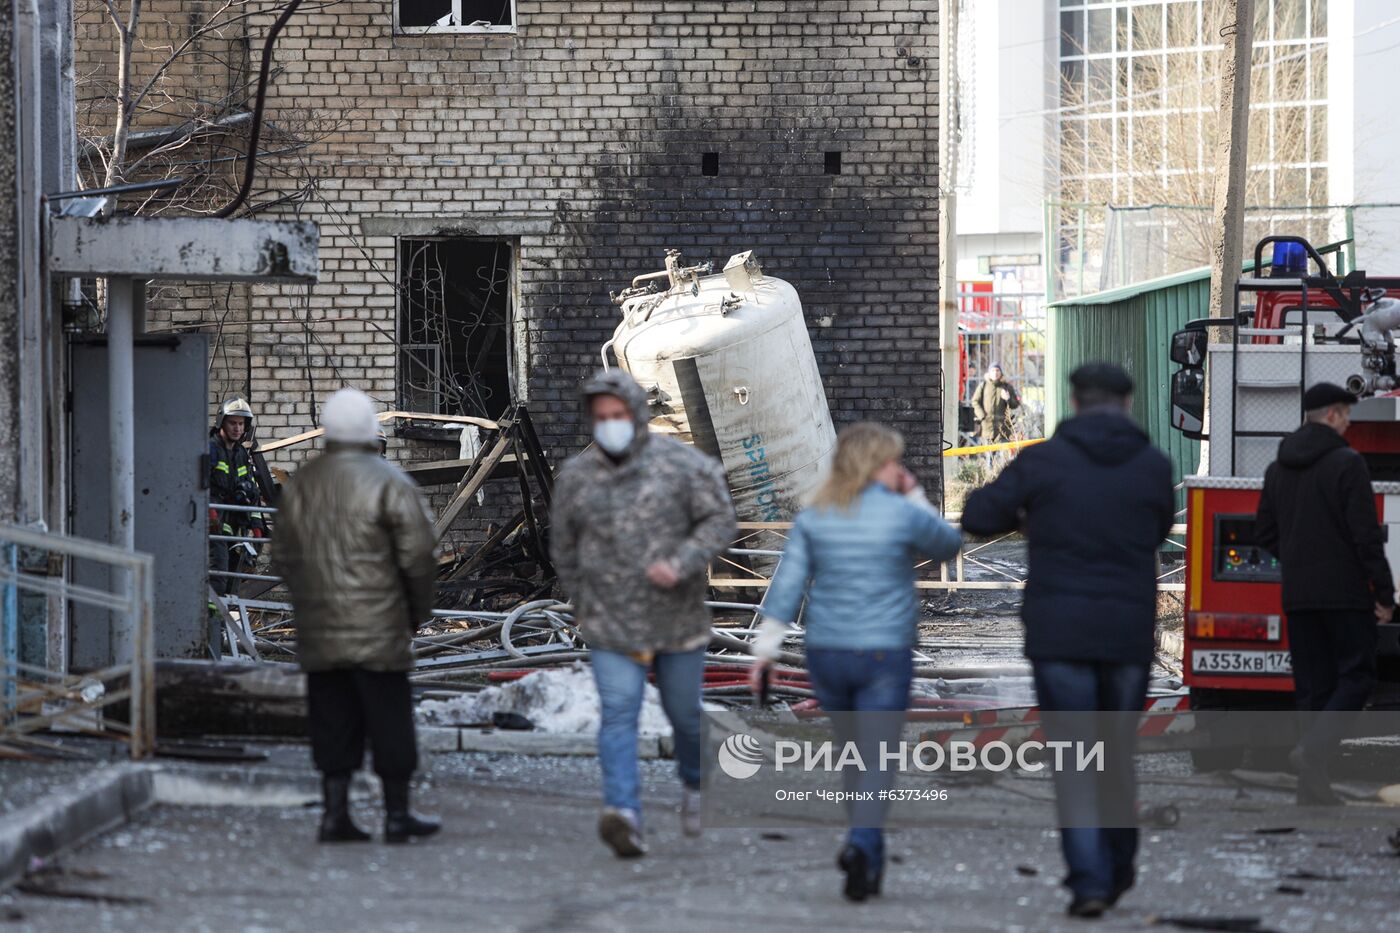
[
  {"x": 621, "y": 680},
  {"x": 1098, "y": 831},
  {"x": 864, "y": 681}
]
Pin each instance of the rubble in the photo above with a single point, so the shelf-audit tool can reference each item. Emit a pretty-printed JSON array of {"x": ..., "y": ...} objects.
[{"x": 561, "y": 701}]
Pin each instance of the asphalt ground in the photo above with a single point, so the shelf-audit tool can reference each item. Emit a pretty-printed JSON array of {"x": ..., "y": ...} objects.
[{"x": 519, "y": 852}]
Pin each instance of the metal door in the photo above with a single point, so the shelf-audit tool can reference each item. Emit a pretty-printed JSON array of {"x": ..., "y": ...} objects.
[{"x": 171, "y": 418}]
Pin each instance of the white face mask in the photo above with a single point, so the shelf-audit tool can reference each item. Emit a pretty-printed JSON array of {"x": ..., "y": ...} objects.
[{"x": 614, "y": 435}]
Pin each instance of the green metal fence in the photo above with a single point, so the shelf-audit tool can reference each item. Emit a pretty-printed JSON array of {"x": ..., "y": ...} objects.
[{"x": 1132, "y": 327}]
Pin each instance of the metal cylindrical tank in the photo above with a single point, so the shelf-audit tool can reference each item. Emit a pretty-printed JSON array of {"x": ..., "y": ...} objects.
[{"x": 730, "y": 366}]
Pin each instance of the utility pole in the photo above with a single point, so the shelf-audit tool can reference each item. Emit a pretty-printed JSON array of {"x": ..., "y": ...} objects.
[
  {"x": 948, "y": 137},
  {"x": 1231, "y": 152}
]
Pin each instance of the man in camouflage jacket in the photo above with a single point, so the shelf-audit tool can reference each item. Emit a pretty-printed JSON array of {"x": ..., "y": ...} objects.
[
  {"x": 992, "y": 403},
  {"x": 636, "y": 520}
]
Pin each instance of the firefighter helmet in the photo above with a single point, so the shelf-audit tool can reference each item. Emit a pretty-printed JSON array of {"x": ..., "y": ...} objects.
[{"x": 239, "y": 407}]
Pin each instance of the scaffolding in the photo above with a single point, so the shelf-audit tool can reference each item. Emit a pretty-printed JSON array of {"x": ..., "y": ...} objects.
[{"x": 1006, "y": 328}]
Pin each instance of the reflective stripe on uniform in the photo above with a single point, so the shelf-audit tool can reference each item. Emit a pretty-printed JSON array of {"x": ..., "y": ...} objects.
[
  {"x": 242, "y": 471},
  {"x": 221, "y": 466}
]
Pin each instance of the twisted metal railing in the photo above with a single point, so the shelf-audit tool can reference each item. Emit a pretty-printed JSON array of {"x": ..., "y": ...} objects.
[{"x": 33, "y": 698}]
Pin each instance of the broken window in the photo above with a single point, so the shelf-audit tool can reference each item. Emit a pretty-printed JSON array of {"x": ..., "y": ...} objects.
[
  {"x": 454, "y": 15},
  {"x": 454, "y": 325}
]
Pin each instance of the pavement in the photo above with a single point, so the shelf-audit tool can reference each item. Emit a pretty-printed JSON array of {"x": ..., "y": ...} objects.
[
  {"x": 519, "y": 852},
  {"x": 25, "y": 782}
]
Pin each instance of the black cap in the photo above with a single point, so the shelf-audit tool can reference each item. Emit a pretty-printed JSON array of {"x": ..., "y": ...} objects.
[
  {"x": 1102, "y": 377},
  {"x": 1326, "y": 394}
]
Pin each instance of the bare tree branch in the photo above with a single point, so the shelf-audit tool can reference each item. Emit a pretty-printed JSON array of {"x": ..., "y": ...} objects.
[{"x": 1138, "y": 130}]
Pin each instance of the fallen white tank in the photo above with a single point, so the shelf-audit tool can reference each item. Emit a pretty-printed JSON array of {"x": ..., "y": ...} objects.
[{"x": 731, "y": 370}]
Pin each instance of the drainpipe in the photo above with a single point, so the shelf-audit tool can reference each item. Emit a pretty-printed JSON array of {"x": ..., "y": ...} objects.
[
  {"x": 949, "y": 363},
  {"x": 121, "y": 447},
  {"x": 9, "y": 634}
]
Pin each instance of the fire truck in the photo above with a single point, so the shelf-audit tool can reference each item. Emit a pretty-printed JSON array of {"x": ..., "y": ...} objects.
[{"x": 1305, "y": 326}]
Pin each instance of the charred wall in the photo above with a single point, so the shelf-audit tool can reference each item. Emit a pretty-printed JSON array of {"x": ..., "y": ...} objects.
[{"x": 583, "y": 139}]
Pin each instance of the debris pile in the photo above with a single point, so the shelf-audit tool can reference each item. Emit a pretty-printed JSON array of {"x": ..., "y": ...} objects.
[
  {"x": 564, "y": 700},
  {"x": 500, "y": 618}
]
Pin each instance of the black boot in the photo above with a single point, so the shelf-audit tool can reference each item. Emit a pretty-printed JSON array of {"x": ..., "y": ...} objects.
[
  {"x": 1087, "y": 908},
  {"x": 399, "y": 823},
  {"x": 1314, "y": 788},
  {"x": 857, "y": 868},
  {"x": 336, "y": 824}
]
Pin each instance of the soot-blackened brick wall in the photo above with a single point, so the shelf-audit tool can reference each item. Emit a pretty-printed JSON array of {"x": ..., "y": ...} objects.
[
  {"x": 582, "y": 137},
  {"x": 771, "y": 90}
]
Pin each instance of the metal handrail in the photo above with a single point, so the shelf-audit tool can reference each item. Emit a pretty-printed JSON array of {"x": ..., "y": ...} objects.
[
  {"x": 131, "y": 600},
  {"x": 957, "y": 579},
  {"x": 230, "y": 507}
]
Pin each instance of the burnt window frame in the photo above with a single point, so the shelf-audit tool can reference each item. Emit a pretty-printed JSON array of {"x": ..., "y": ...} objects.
[
  {"x": 514, "y": 374},
  {"x": 467, "y": 29}
]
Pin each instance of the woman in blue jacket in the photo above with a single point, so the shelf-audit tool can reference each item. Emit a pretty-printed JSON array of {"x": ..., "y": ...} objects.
[{"x": 851, "y": 555}]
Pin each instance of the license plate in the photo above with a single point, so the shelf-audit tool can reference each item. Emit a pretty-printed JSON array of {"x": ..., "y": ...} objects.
[{"x": 1215, "y": 661}]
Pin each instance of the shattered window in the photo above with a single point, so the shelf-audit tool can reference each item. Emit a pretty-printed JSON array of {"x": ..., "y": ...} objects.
[
  {"x": 455, "y": 15},
  {"x": 454, "y": 325}
]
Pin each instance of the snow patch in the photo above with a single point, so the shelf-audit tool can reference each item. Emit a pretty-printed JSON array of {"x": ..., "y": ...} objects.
[{"x": 558, "y": 700}]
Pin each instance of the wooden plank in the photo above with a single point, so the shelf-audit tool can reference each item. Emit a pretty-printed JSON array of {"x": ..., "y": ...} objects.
[
  {"x": 229, "y": 698},
  {"x": 383, "y": 417},
  {"x": 439, "y": 472},
  {"x": 474, "y": 481}
]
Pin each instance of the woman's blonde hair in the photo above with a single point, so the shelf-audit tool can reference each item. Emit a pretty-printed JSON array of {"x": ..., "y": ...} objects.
[{"x": 861, "y": 449}]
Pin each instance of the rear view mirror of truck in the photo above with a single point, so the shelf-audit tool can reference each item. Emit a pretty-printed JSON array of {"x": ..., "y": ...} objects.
[
  {"x": 1189, "y": 348},
  {"x": 1189, "y": 402}
]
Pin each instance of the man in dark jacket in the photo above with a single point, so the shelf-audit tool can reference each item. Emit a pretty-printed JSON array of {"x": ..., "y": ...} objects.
[
  {"x": 1317, "y": 514},
  {"x": 357, "y": 551},
  {"x": 1095, "y": 502}
]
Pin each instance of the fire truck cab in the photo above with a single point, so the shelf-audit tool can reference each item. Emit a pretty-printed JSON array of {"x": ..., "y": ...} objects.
[{"x": 1305, "y": 326}]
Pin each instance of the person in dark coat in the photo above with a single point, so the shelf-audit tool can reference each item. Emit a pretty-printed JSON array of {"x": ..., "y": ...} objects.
[
  {"x": 1095, "y": 502},
  {"x": 1317, "y": 515}
]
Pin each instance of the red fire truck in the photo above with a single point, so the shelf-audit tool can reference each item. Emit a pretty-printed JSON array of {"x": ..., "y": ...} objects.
[{"x": 1305, "y": 326}]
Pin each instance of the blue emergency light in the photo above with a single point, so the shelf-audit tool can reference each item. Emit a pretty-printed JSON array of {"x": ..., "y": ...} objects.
[{"x": 1290, "y": 261}]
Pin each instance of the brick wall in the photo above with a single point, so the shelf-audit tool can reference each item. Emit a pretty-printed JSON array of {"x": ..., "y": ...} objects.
[
  {"x": 189, "y": 64},
  {"x": 581, "y": 137}
]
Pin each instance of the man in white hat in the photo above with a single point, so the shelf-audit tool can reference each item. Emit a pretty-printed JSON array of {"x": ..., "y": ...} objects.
[{"x": 357, "y": 552}]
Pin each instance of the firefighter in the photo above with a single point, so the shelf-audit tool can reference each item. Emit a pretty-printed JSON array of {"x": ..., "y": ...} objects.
[
  {"x": 992, "y": 403},
  {"x": 1317, "y": 515},
  {"x": 232, "y": 481}
]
